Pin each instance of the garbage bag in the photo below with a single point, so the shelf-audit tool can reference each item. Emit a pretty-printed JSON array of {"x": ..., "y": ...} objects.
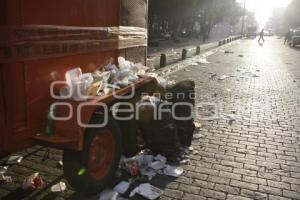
[
  {"x": 160, "y": 135},
  {"x": 183, "y": 92}
]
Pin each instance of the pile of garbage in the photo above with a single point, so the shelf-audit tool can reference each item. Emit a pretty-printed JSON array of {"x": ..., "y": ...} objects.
[
  {"x": 142, "y": 165},
  {"x": 81, "y": 86}
]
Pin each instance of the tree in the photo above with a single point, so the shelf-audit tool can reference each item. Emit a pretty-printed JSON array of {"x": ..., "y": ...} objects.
[
  {"x": 293, "y": 14},
  {"x": 183, "y": 14}
]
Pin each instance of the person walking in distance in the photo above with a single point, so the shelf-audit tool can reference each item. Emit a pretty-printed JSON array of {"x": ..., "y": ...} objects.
[
  {"x": 261, "y": 36},
  {"x": 288, "y": 37}
]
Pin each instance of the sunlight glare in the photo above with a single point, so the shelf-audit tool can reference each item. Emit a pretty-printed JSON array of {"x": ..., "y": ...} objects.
[{"x": 263, "y": 8}]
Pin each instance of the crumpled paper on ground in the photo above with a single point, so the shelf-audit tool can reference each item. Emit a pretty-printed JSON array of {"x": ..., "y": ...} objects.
[
  {"x": 59, "y": 187},
  {"x": 148, "y": 191},
  {"x": 122, "y": 187}
]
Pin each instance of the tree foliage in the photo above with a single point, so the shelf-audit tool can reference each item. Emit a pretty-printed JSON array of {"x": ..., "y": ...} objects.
[
  {"x": 293, "y": 14},
  {"x": 182, "y": 14}
]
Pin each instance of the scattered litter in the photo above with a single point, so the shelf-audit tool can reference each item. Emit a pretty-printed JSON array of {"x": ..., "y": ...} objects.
[
  {"x": 196, "y": 152},
  {"x": 108, "y": 194},
  {"x": 160, "y": 158},
  {"x": 231, "y": 118},
  {"x": 194, "y": 64},
  {"x": 171, "y": 82},
  {"x": 197, "y": 125},
  {"x": 173, "y": 171},
  {"x": 228, "y": 90},
  {"x": 187, "y": 70},
  {"x": 6, "y": 179},
  {"x": 81, "y": 171},
  {"x": 149, "y": 172},
  {"x": 157, "y": 165},
  {"x": 212, "y": 76},
  {"x": 227, "y": 52},
  {"x": 59, "y": 187},
  {"x": 33, "y": 182},
  {"x": 241, "y": 56},
  {"x": 253, "y": 75},
  {"x": 191, "y": 148},
  {"x": 60, "y": 163},
  {"x": 197, "y": 136},
  {"x": 134, "y": 169},
  {"x": 185, "y": 161},
  {"x": 148, "y": 191},
  {"x": 14, "y": 160},
  {"x": 202, "y": 61},
  {"x": 3, "y": 169},
  {"x": 122, "y": 187},
  {"x": 223, "y": 77}
]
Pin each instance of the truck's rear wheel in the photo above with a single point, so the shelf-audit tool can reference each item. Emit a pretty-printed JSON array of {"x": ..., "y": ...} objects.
[{"x": 92, "y": 169}]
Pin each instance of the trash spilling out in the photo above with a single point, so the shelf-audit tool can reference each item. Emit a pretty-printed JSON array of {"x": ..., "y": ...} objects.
[
  {"x": 14, "y": 160},
  {"x": 81, "y": 86},
  {"x": 33, "y": 182},
  {"x": 148, "y": 191},
  {"x": 59, "y": 187}
]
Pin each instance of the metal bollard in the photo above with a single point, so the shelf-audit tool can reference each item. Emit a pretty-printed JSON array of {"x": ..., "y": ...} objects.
[
  {"x": 224, "y": 41},
  {"x": 184, "y": 54},
  {"x": 220, "y": 43},
  {"x": 197, "y": 50},
  {"x": 163, "y": 60}
]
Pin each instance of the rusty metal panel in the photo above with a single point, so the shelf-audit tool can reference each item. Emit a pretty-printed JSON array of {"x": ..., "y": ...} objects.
[
  {"x": 71, "y": 12},
  {"x": 2, "y": 114},
  {"x": 2, "y": 108}
]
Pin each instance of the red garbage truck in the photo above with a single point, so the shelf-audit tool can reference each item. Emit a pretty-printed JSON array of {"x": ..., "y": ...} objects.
[{"x": 40, "y": 41}]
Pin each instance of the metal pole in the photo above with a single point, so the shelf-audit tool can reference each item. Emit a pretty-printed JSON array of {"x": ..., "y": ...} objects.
[{"x": 244, "y": 15}]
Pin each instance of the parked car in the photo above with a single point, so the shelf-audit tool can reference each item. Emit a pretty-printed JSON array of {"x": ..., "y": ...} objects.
[{"x": 295, "y": 40}]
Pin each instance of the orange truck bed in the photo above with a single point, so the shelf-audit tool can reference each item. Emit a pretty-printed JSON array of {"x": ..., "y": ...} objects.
[{"x": 40, "y": 40}]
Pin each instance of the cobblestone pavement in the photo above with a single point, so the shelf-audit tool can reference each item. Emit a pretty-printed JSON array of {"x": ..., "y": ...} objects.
[
  {"x": 255, "y": 156},
  {"x": 175, "y": 54}
]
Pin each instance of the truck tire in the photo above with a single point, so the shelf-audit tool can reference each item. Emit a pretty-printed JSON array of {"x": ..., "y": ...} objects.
[{"x": 92, "y": 169}]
